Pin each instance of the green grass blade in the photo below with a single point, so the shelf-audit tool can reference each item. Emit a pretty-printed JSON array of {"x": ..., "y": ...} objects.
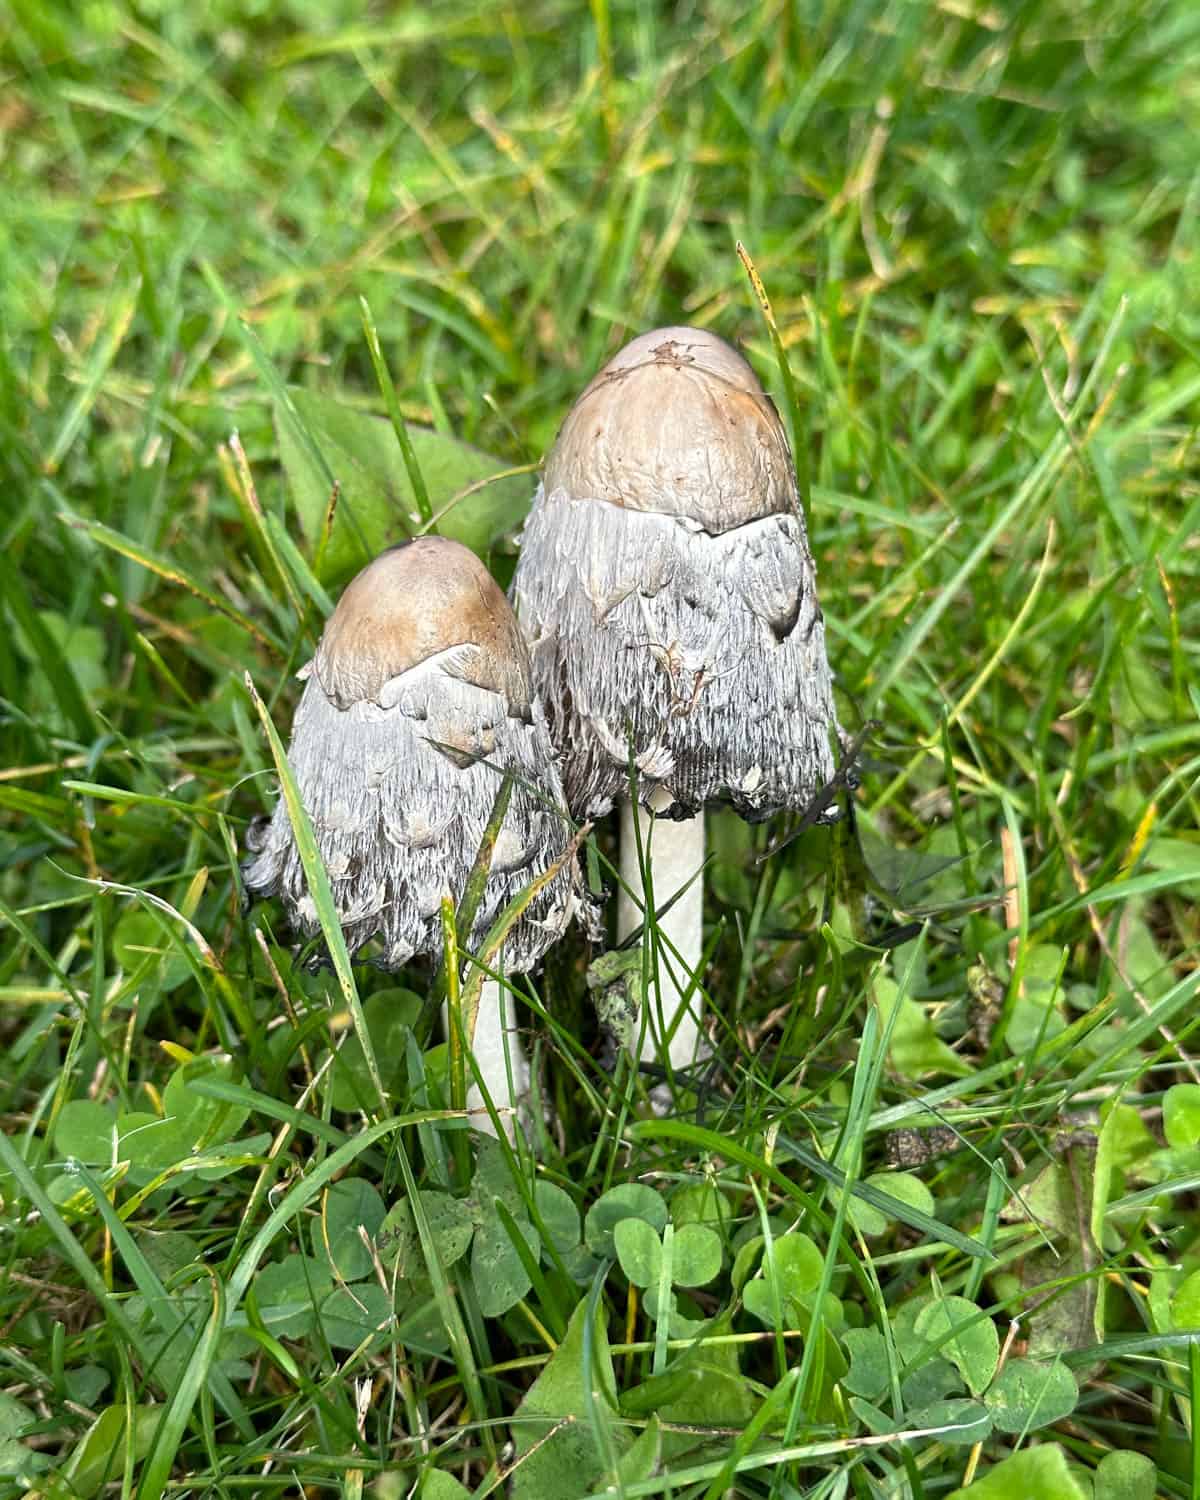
[{"x": 322, "y": 893}]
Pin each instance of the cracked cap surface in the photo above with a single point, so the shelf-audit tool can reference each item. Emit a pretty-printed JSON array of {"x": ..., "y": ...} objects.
[
  {"x": 411, "y": 603},
  {"x": 677, "y": 423}
]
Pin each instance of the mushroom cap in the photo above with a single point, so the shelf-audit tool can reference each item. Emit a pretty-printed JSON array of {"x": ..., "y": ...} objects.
[
  {"x": 677, "y": 627},
  {"x": 677, "y": 423},
  {"x": 416, "y": 705},
  {"x": 411, "y": 602}
]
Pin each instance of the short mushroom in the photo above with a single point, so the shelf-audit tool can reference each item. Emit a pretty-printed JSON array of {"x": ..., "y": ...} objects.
[
  {"x": 417, "y": 700},
  {"x": 669, "y": 595}
]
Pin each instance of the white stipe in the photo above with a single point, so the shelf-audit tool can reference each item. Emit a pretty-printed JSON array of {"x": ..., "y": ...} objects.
[
  {"x": 674, "y": 853},
  {"x": 498, "y": 1055}
]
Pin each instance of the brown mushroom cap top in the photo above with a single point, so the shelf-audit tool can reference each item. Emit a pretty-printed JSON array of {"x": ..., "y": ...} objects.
[
  {"x": 411, "y": 603},
  {"x": 677, "y": 423}
]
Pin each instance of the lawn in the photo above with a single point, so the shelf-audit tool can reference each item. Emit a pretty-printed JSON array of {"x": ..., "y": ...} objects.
[{"x": 931, "y": 1217}]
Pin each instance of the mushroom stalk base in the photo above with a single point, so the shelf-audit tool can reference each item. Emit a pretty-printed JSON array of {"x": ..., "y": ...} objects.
[
  {"x": 674, "y": 853},
  {"x": 496, "y": 1031}
]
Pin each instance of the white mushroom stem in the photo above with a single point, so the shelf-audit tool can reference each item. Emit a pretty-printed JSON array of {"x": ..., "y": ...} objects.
[
  {"x": 498, "y": 1055},
  {"x": 674, "y": 854}
]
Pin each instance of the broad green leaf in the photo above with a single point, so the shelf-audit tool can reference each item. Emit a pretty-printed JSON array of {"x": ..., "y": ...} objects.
[
  {"x": 915, "y": 1048},
  {"x": 874, "y": 1419},
  {"x": 99, "y": 1456},
  {"x": 697, "y": 1259},
  {"x": 288, "y": 1294},
  {"x": 141, "y": 942},
  {"x": 1185, "y": 1304},
  {"x": 569, "y": 1461},
  {"x": 645, "y": 1457},
  {"x": 348, "y": 1208},
  {"x": 629, "y": 1200},
  {"x": 438, "y": 1485},
  {"x": 1181, "y": 1116},
  {"x": 716, "y": 1393},
  {"x": 1124, "y": 1143},
  {"x": 84, "y": 1129},
  {"x": 1059, "y": 1199},
  {"x": 902, "y": 872},
  {"x": 15, "y": 1419},
  {"x": 639, "y": 1251},
  {"x": 421, "y": 1326},
  {"x": 956, "y": 1422},
  {"x": 869, "y": 1373},
  {"x": 375, "y": 507},
  {"x": 654, "y": 1392},
  {"x": 974, "y": 1346},
  {"x": 903, "y": 1186},
  {"x": 86, "y": 1384},
  {"x": 558, "y": 1213},
  {"x": 795, "y": 1265},
  {"x": 1054, "y": 1200},
  {"x": 1126, "y": 1476},
  {"x": 450, "y": 1223},
  {"x": 700, "y": 1203},
  {"x": 497, "y": 1270},
  {"x": 150, "y": 1143},
  {"x": 746, "y": 1261},
  {"x": 494, "y": 1179},
  {"x": 1032, "y": 1474},
  {"x": 207, "y": 1120},
  {"x": 169, "y": 1251},
  {"x": 1177, "y": 856},
  {"x": 1027, "y": 1395},
  {"x": 388, "y": 1014},
  {"x": 1035, "y": 1019},
  {"x": 352, "y": 1314}
]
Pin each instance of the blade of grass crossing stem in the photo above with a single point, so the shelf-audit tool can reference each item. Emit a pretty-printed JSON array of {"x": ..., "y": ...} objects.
[
  {"x": 460, "y": 1030},
  {"x": 156, "y": 1471},
  {"x": 485, "y": 962},
  {"x": 460, "y": 1345},
  {"x": 388, "y": 392},
  {"x": 468, "y": 905},
  {"x": 319, "y": 888},
  {"x": 799, "y": 427}
]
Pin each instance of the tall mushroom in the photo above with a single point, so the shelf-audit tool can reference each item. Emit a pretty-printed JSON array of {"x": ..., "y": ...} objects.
[
  {"x": 669, "y": 595},
  {"x": 417, "y": 700}
]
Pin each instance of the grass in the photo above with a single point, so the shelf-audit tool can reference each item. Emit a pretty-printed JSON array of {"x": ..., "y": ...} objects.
[{"x": 976, "y": 225}]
